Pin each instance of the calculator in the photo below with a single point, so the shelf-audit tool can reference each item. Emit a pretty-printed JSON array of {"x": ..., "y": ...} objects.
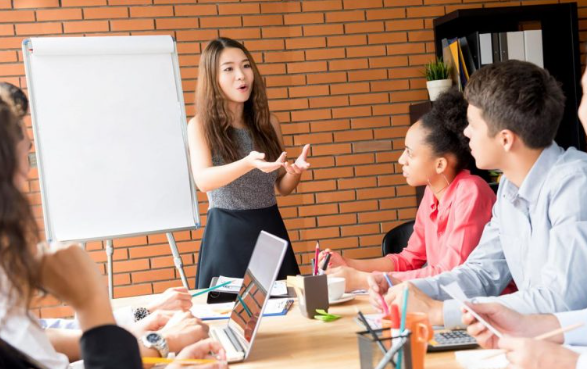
[{"x": 445, "y": 340}]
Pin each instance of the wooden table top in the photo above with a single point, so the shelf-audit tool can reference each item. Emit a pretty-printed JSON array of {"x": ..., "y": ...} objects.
[{"x": 292, "y": 341}]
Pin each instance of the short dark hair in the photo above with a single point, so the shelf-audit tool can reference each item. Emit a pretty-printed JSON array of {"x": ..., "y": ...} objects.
[
  {"x": 445, "y": 125},
  {"x": 518, "y": 96},
  {"x": 15, "y": 98}
]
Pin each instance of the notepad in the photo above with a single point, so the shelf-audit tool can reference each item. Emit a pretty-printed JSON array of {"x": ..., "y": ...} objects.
[
  {"x": 222, "y": 311},
  {"x": 279, "y": 287}
]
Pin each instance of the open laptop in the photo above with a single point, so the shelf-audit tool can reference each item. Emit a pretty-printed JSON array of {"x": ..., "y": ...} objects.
[{"x": 238, "y": 335}]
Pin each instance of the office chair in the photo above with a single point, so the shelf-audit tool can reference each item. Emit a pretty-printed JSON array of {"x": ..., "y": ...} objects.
[{"x": 396, "y": 239}]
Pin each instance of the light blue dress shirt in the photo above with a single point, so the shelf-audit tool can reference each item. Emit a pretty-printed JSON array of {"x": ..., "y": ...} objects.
[{"x": 537, "y": 236}]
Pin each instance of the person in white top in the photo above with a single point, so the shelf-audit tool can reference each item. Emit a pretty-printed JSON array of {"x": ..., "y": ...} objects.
[{"x": 523, "y": 352}]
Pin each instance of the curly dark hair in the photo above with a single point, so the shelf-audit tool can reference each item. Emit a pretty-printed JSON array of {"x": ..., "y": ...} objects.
[
  {"x": 445, "y": 125},
  {"x": 15, "y": 98},
  {"x": 18, "y": 229}
]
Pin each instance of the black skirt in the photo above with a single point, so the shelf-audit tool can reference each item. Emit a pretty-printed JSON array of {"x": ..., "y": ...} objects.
[{"x": 229, "y": 240}]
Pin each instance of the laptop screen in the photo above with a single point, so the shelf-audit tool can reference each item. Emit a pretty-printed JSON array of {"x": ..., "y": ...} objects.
[{"x": 257, "y": 282}]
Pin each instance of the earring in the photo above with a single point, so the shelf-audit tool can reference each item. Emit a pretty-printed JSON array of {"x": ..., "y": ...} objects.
[{"x": 443, "y": 188}]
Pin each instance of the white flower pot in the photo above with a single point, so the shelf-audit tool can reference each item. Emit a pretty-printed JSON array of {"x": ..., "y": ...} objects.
[{"x": 435, "y": 88}]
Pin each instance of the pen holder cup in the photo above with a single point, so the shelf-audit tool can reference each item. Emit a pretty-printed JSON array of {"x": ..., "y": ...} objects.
[
  {"x": 313, "y": 295},
  {"x": 371, "y": 354}
]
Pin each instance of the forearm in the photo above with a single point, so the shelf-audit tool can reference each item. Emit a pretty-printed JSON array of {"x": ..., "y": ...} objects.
[
  {"x": 287, "y": 183},
  {"x": 211, "y": 178},
  {"x": 66, "y": 341},
  {"x": 382, "y": 264}
]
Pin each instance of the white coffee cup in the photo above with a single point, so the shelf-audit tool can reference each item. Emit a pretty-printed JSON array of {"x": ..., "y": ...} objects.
[{"x": 336, "y": 286}]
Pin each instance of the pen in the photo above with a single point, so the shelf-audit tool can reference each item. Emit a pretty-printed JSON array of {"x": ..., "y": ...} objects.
[
  {"x": 326, "y": 261},
  {"x": 316, "y": 254},
  {"x": 368, "y": 326},
  {"x": 313, "y": 266},
  {"x": 160, "y": 360},
  {"x": 388, "y": 280},
  {"x": 211, "y": 288}
]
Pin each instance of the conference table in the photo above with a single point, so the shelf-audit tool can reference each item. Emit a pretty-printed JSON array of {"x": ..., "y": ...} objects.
[{"x": 293, "y": 341}]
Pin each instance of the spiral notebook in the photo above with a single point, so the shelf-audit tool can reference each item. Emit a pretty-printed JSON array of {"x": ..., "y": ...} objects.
[{"x": 222, "y": 311}]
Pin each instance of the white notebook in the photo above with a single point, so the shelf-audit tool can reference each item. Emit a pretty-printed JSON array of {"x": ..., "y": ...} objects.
[{"x": 475, "y": 359}]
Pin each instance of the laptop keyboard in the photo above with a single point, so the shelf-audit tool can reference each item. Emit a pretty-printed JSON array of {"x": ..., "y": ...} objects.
[{"x": 234, "y": 351}]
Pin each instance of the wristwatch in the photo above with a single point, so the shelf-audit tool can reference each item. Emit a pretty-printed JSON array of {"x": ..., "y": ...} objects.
[{"x": 157, "y": 341}]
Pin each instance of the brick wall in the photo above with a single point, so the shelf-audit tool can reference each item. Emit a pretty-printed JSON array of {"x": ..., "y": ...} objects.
[{"x": 340, "y": 75}]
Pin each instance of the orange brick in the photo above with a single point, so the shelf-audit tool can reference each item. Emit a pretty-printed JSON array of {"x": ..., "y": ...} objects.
[
  {"x": 416, "y": 95},
  {"x": 308, "y": 91},
  {"x": 391, "y": 180},
  {"x": 367, "y": 75},
  {"x": 345, "y": 184},
  {"x": 333, "y": 173},
  {"x": 364, "y": 27},
  {"x": 284, "y": 56},
  {"x": 195, "y": 10},
  {"x": 281, "y": 7},
  {"x": 345, "y": 16},
  {"x": 335, "y": 149},
  {"x": 151, "y": 11},
  {"x": 105, "y": 13},
  {"x": 327, "y": 78},
  {"x": 132, "y": 25},
  {"x": 82, "y": 3},
  {"x": 288, "y": 104},
  {"x": 421, "y": 59},
  {"x": 336, "y": 220},
  {"x": 360, "y": 230},
  {"x": 365, "y": 252},
  {"x": 354, "y": 159},
  {"x": 59, "y": 14},
  {"x": 323, "y": 102},
  {"x": 305, "y": 43},
  {"x": 376, "y": 193},
  {"x": 366, "y": 99},
  {"x": 427, "y": 11},
  {"x": 197, "y": 35},
  {"x": 351, "y": 112},
  {"x": 131, "y": 265},
  {"x": 176, "y": 23},
  {"x": 383, "y": 145},
  {"x": 307, "y": 67},
  {"x": 300, "y": 223},
  {"x": 296, "y": 199},
  {"x": 263, "y": 20},
  {"x": 391, "y": 3},
  {"x": 353, "y": 136},
  {"x": 324, "y": 29},
  {"x": 404, "y": 25},
  {"x": 36, "y": 4},
  {"x": 12, "y": 70},
  {"x": 338, "y": 196},
  {"x": 368, "y": 170},
  {"x": 356, "y": 52},
  {"x": 318, "y": 210},
  {"x": 321, "y": 233},
  {"x": 361, "y": 4},
  {"x": 6, "y": 30},
  {"x": 303, "y": 18},
  {"x": 85, "y": 26},
  {"x": 254, "y": 45},
  {"x": 313, "y": 6},
  {"x": 231, "y": 9},
  {"x": 338, "y": 53},
  {"x": 297, "y": 116},
  {"x": 415, "y": 36},
  {"x": 153, "y": 275},
  {"x": 377, "y": 216},
  {"x": 347, "y": 88},
  {"x": 352, "y": 40},
  {"x": 269, "y": 32},
  {"x": 220, "y": 22},
  {"x": 38, "y": 28},
  {"x": 275, "y": 81},
  {"x": 5, "y": 4},
  {"x": 387, "y": 38},
  {"x": 406, "y": 214},
  {"x": 388, "y": 157},
  {"x": 130, "y": 241},
  {"x": 134, "y": 290},
  {"x": 339, "y": 243},
  {"x": 358, "y": 206},
  {"x": 405, "y": 49},
  {"x": 399, "y": 202},
  {"x": 11, "y": 56},
  {"x": 330, "y": 125},
  {"x": 241, "y": 33},
  {"x": 386, "y": 13},
  {"x": 313, "y": 138}
]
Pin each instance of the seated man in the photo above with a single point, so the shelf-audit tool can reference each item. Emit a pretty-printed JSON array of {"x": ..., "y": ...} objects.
[{"x": 535, "y": 235}]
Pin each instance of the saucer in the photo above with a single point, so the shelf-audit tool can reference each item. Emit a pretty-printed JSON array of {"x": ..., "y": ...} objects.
[{"x": 346, "y": 297}]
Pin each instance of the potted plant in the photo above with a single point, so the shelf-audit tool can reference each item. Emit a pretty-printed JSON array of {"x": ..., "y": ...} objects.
[{"x": 437, "y": 78}]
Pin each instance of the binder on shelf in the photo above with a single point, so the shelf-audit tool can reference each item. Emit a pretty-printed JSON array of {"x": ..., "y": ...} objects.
[
  {"x": 486, "y": 49},
  {"x": 475, "y": 49},
  {"x": 515, "y": 47},
  {"x": 495, "y": 47},
  {"x": 469, "y": 61},
  {"x": 503, "y": 46},
  {"x": 533, "y": 47},
  {"x": 451, "y": 61}
]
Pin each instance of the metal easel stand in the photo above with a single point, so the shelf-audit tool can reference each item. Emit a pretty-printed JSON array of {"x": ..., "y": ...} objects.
[{"x": 176, "y": 260}]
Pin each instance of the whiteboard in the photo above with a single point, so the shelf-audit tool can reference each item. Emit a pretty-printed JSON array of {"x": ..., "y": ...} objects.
[{"x": 110, "y": 135}]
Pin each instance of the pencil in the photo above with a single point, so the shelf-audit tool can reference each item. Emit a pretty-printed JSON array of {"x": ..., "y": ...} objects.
[
  {"x": 368, "y": 326},
  {"x": 211, "y": 288},
  {"x": 160, "y": 360},
  {"x": 316, "y": 254},
  {"x": 541, "y": 337}
]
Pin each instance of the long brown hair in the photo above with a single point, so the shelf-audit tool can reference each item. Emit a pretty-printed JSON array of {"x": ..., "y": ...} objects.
[
  {"x": 212, "y": 107},
  {"x": 18, "y": 230}
]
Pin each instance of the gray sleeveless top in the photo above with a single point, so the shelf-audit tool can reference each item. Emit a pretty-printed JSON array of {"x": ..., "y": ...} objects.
[{"x": 254, "y": 190}]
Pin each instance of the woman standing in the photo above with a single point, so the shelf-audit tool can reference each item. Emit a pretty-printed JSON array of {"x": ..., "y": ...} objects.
[{"x": 237, "y": 158}]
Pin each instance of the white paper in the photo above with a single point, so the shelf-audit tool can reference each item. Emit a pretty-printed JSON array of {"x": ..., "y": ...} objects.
[
  {"x": 455, "y": 291},
  {"x": 222, "y": 311},
  {"x": 279, "y": 287}
]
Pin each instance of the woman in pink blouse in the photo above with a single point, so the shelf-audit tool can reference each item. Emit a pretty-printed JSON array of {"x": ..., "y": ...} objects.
[{"x": 455, "y": 207}]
